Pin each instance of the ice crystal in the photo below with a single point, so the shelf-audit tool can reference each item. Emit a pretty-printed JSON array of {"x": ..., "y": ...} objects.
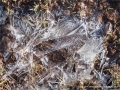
[{"x": 82, "y": 40}]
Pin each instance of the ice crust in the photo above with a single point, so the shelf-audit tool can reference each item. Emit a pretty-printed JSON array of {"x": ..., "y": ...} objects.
[{"x": 83, "y": 35}]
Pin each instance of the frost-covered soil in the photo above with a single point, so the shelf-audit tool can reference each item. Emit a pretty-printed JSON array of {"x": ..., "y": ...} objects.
[{"x": 42, "y": 53}]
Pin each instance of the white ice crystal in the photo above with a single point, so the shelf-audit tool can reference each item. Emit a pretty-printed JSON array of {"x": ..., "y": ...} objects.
[{"x": 68, "y": 33}]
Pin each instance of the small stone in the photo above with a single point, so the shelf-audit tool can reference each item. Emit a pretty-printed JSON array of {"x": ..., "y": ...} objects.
[
  {"x": 67, "y": 12},
  {"x": 100, "y": 18}
]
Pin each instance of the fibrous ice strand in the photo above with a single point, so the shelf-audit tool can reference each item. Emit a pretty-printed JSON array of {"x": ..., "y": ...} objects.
[
  {"x": 3, "y": 16},
  {"x": 81, "y": 37}
]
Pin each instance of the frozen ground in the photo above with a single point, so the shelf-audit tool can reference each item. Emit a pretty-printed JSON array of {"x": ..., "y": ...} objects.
[{"x": 50, "y": 54}]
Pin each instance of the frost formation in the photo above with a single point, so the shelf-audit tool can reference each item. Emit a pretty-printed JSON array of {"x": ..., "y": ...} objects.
[{"x": 80, "y": 39}]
